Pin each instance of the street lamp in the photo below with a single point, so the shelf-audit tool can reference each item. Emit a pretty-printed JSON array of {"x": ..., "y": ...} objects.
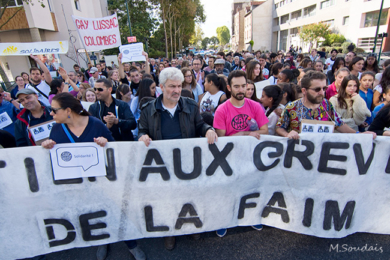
[{"x": 128, "y": 17}]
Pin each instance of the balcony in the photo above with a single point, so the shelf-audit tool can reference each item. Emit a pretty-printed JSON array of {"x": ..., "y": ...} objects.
[{"x": 19, "y": 21}]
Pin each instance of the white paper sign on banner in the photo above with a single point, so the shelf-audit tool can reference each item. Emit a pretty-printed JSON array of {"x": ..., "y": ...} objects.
[
  {"x": 27, "y": 48},
  {"x": 77, "y": 160},
  {"x": 98, "y": 33},
  {"x": 41, "y": 132},
  {"x": 5, "y": 120},
  {"x": 260, "y": 86},
  {"x": 132, "y": 52}
]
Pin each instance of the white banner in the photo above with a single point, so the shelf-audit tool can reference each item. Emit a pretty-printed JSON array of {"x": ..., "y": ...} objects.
[
  {"x": 27, "y": 48},
  {"x": 132, "y": 52},
  {"x": 322, "y": 185},
  {"x": 98, "y": 33}
]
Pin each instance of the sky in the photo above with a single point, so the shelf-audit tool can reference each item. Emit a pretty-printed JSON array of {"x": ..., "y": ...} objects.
[{"x": 218, "y": 13}]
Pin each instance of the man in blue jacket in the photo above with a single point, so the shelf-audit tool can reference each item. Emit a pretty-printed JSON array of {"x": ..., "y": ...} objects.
[{"x": 115, "y": 113}]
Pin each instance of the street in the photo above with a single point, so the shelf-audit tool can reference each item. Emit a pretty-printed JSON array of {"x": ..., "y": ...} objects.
[{"x": 247, "y": 243}]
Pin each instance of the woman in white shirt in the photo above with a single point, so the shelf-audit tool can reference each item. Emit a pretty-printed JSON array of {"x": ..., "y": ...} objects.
[{"x": 215, "y": 93}]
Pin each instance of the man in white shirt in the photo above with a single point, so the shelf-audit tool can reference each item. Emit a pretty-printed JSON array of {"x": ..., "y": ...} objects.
[
  {"x": 330, "y": 61},
  {"x": 41, "y": 87}
]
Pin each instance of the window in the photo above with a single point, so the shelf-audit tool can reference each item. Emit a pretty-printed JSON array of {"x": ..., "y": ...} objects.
[
  {"x": 330, "y": 22},
  {"x": 309, "y": 11},
  {"x": 368, "y": 43},
  {"x": 327, "y": 3},
  {"x": 371, "y": 18},
  {"x": 276, "y": 6},
  {"x": 284, "y": 19},
  {"x": 77, "y": 4},
  {"x": 294, "y": 31},
  {"x": 15, "y": 3},
  {"x": 296, "y": 15},
  {"x": 345, "y": 20},
  {"x": 276, "y": 21}
]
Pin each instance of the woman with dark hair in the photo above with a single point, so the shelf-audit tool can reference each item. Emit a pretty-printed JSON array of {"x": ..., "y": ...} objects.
[
  {"x": 288, "y": 75},
  {"x": 289, "y": 92},
  {"x": 253, "y": 71},
  {"x": 356, "y": 66},
  {"x": 247, "y": 60},
  {"x": 147, "y": 88},
  {"x": 215, "y": 93},
  {"x": 74, "y": 124},
  {"x": 338, "y": 64},
  {"x": 242, "y": 63},
  {"x": 58, "y": 86},
  {"x": 383, "y": 84},
  {"x": 123, "y": 92},
  {"x": 271, "y": 99},
  {"x": 191, "y": 84},
  {"x": 251, "y": 91},
  {"x": 306, "y": 63},
  {"x": 275, "y": 69},
  {"x": 300, "y": 58},
  {"x": 371, "y": 63},
  {"x": 113, "y": 75},
  {"x": 81, "y": 77},
  {"x": 348, "y": 104}
]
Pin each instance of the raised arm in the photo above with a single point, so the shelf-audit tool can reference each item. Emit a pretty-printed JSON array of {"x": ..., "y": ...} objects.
[
  {"x": 121, "y": 69},
  {"x": 45, "y": 70},
  {"x": 147, "y": 67},
  {"x": 65, "y": 76}
]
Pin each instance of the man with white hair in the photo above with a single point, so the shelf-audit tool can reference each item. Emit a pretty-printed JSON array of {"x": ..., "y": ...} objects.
[{"x": 171, "y": 116}]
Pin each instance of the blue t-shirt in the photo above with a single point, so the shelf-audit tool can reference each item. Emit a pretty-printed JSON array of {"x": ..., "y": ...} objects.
[
  {"x": 12, "y": 112},
  {"x": 376, "y": 110},
  {"x": 94, "y": 129},
  {"x": 368, "y": 99}
]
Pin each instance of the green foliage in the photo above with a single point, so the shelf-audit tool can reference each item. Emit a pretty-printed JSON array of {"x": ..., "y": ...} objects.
[
  {"x": 223, "y": 34},
  {"x": 251, "y": 42},
  {"x": 214, "y": 40},
  {"x": 142, "y": 23},
  {"x": 345, "y": 45},
  {"x": 205, "y": 42},
  {"x": 359, "y": 50},
  {"x": 312, "y": 33},
  {"x": 333, "y": 38},
  {"x": 197, "y": 37},
  {"x": 336, "y": 44}
]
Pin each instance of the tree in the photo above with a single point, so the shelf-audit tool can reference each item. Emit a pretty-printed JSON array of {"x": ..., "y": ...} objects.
[
  {"x": 142, "y": 23},
  {"x": 214, "y": 40},
  {"x": 197, "y": 37},
  {"x": 223, "y": 34},
  {"x": 312, "y": 33},
  {"x": 205, "y": 42},
  {"x": 333, "y": 38},
  {"x": 4, "y": 4}
]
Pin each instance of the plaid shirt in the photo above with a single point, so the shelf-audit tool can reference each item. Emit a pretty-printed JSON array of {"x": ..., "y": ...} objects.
[{"x": 295, "y": 111}]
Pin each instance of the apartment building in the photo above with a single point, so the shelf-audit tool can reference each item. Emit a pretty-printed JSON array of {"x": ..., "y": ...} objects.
[
  {"x": 51, "y": 23},
  {"x": 275, "y": 23}
]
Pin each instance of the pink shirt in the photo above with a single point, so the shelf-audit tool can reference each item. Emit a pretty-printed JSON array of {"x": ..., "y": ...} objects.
[
  {"x": 331, "y": 91},
  {"x": 234, "y": 120}
]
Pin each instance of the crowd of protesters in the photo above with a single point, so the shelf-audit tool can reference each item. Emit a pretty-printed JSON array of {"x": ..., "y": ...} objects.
[{"x": 198, "y": 96}]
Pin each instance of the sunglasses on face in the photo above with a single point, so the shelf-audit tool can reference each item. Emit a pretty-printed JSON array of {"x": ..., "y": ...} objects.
[
  {"x": 319, "y": 89},
  {"x": 54, "y": 110},
  {"x": 99, "y": 89}
]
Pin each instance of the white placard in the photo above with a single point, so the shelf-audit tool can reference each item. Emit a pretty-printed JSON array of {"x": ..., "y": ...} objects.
[
  {"x": 77, "y": 160},
  {"x": 5, "y": 120},
  {"x": 27, "y": 48},
  {"x": 317, "y": 127},
  {"x": 132, "y": 52},
  {"x": 41, "y": 131},
  {"x": 86, "y": 104},
  {"x": 260, "y": 86},
  {"x": 98, "y": 33}
]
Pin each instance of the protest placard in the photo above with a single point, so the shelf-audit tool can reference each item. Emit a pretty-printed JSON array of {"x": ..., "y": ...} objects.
[
  {"x": 321, "y": 185},
  {"x": 41, "y": 132},
  {"x": 77, "y": 160},
  {"x": 5, "y": 120},
  {"x": 98, "y": 33},
  {"x": 35, "y": 48},
  {"x": 132, "y": 52}
]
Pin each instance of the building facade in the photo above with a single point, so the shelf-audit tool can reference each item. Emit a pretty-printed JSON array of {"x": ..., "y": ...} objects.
[
  {"x": 53, "y": 22},
  {"x": 276, "y": 23}
]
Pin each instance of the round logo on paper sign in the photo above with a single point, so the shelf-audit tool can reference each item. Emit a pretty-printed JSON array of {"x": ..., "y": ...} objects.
[
  {"x": 126, "y": 52},
  {"x": 66, "y": 156}
]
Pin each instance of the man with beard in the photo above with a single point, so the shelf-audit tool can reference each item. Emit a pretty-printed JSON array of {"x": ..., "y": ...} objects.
[
  {"x": 312, "y": 106},
  {"x": 219, "y": 68},
  {"x": 41, "y": 87},
  {"x": 349, "y": 57},
  {"x": 240, "y": 116}
]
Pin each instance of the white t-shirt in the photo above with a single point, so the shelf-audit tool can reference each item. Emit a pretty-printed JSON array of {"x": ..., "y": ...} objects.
[
  {"x": 170, "y": 110},
  {"x": 329, "y": 62},
  {"x": 44, "y": 88},
  {"x": 272, "y": 80},
  {"x": 209, "y": 103}
]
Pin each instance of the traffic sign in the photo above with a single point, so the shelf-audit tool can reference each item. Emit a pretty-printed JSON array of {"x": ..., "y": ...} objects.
[
  {"x": 132, "y": 39},
  {"x": 93, "y": 57}
]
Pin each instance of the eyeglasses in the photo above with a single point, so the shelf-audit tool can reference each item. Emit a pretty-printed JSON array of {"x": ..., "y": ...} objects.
[
  {"x": 319, "y": 89},
  {"x": 54, "y": 110},
  {"x": 99, "y": 89}
]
